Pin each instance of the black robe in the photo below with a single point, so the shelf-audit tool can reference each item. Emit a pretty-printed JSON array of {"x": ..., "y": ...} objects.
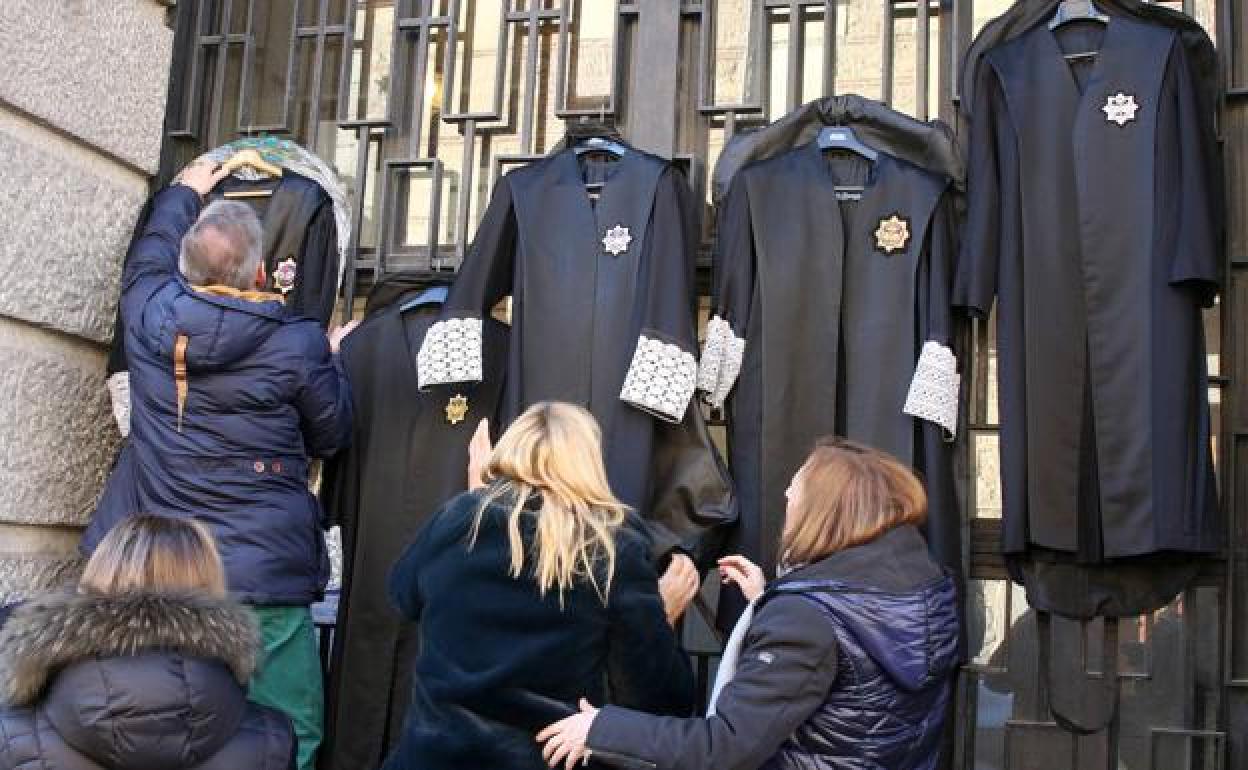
[
  {"x": 299, "y": 231},
  {"x": 826, "y": 327},
  {"x": 602, "y": 316},
  {"x": 406, "y": 459},
  {"x": 1091, "y": 222}
]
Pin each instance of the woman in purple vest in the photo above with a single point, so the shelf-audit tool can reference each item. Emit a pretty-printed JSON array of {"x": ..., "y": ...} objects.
[{"x": 845, "y": 661}]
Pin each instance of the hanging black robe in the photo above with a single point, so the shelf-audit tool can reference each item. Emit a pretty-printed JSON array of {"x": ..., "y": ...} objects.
[
  {"x": 406, "y": 459},
  {"x": 1091, "y": 222},
  {"x": 826, "y": 327},
  {"x": 602, "y": 316}
]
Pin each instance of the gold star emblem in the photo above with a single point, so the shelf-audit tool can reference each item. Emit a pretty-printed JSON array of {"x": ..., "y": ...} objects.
[
  {"x": 892, "y": 235},
  {"x": 456, "y": 409}
]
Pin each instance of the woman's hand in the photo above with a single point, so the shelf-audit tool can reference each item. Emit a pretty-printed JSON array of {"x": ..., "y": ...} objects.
[
  {"x": 565, "y": 740},
  {"x": 678, "y": 586},
  {"x": 339, "y": 333},
  {"x": 746, "y": 574},
  {"x": 479, "y": 451}
]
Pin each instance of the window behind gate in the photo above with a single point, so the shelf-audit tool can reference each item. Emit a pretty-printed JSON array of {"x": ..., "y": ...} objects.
[{"x": 422, "y": 104}]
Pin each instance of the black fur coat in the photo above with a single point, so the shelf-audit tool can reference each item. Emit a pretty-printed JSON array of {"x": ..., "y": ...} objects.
[{"x": 140, "y": 682}]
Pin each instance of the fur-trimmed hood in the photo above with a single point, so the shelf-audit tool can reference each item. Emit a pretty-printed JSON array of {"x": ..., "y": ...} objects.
[{"x": 47, "y": 635}]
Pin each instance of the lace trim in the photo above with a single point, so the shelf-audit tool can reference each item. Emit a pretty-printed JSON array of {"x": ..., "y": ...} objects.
[
  {"x": 450, "y": 352},
  {"x": 661, "y": 379},
  {"x": 119, "y": 395},
  {"x": 934, "y": 390},
  {"x": 721, "y": 361}
]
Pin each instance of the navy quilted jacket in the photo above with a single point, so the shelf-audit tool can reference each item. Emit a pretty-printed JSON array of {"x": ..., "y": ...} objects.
[
  {"x": 262, "y": 394},
  {"x": 848, "y": 664}
]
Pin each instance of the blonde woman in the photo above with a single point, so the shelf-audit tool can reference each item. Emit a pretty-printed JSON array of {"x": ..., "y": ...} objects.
[
  {"x": 846, "y": 661},
  {"x": 145, "y": 666},
  {"x": 530, "y": 591}
]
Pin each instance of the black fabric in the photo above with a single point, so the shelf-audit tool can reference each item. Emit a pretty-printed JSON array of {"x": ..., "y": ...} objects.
[
  {"x": 405, "y": 460},
  {"x": 1105, "y": 419},
  {"x": 299, "y": 225},
  {"x": 264, "y": 395},
  {"x": 929, "y": 145},
  {"x": 833, "y": 327},
  {"x": 499, "y": 661},
  {"x": 577, "y": 315},
  {"x": 847, "y": 664},
  {"x": 163, "y": 707}
]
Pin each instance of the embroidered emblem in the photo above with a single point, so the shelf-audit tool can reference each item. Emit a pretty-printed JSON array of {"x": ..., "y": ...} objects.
[
  {"x": 616, "y": 240},
  {"x": 284, "y": 275},
  {"x": 456, "y": 409},
  {"x": 893, "y": 234},
  {"x": 1120, "y": 108}
]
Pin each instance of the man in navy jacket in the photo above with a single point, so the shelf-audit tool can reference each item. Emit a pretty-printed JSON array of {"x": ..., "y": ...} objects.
[{"x": 231, "y": 395}]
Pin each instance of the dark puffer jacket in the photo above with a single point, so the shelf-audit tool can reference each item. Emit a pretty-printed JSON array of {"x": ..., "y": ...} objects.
[
  {"x": 139, "y": 682},
  {"x": 229, "y": 445},
  {"x": 847, "y": 665}
]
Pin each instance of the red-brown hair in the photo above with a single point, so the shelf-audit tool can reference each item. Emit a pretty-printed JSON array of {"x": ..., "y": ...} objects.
[{"x": 849, "y": 495}]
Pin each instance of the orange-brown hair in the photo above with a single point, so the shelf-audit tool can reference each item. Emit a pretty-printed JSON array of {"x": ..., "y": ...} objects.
[
  {"x": 155, "y": 554},
  {"x": 849, "y": 495}
]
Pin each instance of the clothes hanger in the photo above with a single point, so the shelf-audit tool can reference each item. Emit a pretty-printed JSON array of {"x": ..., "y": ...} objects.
[
  {"x": 844, "y": 138},
  {"x": 434, "y": 295},
  {"x": 586, "y": 137},
  {"x": 251, "y": 159},
  {"x": 1078, "y": 10}
]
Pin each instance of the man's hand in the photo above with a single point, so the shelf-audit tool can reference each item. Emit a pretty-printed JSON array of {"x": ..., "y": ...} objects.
[
  {"x": 479, "y": 451},
  {"x": 339, "y": 333},
  {"x": 565, "y": 740},
  {"x": 677, "y": 587},
  {"x": 201, "y": 176}
]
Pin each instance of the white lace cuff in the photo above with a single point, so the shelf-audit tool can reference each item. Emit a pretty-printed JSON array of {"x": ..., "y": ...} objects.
[
  {"x": 119, "y": 395},
  {"x": 721, "y": 361},
  {"x": 450, "y": 353},
  {"x": 934, "y": 390},
  {"x": 661, "y": 379}
]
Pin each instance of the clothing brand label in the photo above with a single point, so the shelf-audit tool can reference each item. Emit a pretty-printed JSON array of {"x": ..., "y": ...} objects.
[
  {"x": 1120, "y": 108},
  {"x": 616, "y": 240},
  {"x": 456, "y": 409},
  {"x": 284, "y": 275},
  {"x": 893, "y": 234}
]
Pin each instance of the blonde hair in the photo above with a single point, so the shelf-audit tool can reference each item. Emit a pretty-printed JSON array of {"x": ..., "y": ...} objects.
[
  {"x": 155, "y": 554},
  {"x": 555, "y": 450},
  {"x": 849, "y": 494}
]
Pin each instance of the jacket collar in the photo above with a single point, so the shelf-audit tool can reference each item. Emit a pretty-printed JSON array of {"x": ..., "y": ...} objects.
[
  {"x": 45, "y": 635},
  {"x": 217, "y": 290},
  {"x": 896, "y": 560}
]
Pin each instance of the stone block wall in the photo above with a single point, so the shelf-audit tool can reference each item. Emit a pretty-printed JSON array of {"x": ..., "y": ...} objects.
[{"x": 82, "y": 103}]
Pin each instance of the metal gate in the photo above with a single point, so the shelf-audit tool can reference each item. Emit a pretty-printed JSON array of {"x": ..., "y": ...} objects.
[{"x": 422, "y": 104}]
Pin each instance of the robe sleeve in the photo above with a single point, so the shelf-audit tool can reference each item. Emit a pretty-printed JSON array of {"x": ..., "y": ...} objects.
[
  {"x": 724, "y": 348},
  {"x": 1197, "y": 258},
  {"x": 451, "y": 351},
  {"x": 934, "y": 389},
  {"x": 318, "y": 267},
  {"x": 975, "y": 282},
  {"x": 663, "y": 372}
]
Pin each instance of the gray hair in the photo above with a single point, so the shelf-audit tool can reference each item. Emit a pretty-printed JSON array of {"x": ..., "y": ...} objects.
[{"x": 223, "y": 247}]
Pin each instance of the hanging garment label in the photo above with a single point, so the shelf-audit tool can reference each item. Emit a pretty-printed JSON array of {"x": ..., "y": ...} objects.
[
  {"x": 893, "y": 234},
  {"x": 284, "y": 275},
  {"x": 616, "y": 240},
  {"x": 456, "y": 409},
  {"x": 1120, "y": 108}
]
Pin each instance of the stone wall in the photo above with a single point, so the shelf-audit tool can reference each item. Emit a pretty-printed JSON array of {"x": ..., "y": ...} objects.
[{"x": 82, "y": 102}]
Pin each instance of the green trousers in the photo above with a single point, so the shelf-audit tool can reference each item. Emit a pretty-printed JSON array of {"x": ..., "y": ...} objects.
[{"x": 289, "y": 676}]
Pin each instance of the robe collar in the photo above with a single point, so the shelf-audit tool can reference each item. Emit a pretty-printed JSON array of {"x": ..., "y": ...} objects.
[{"x": 591, "y": 220}]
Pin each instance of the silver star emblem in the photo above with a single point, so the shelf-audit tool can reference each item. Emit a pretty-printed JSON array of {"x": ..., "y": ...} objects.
[
  {"x": 1120, "y": 108},
  {"x": 616, "y": 240}
]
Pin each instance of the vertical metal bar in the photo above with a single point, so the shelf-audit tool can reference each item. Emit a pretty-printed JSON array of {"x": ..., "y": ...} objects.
[
  {"x": 350, "y": 259},
  {"x": 419, "y": 73},
  {"x": 348, "y": 61},
  {"x": 652, "y": 109},
  {"x": 1109, "y": 667},
  {"x": 314, "y": 109},
  {"x": 530, "y": 80},
  {"x": 794, "y": 91},
  {"x": 292, "y": 65},
  {"x": 829, "y": 47},
  {"x": 218, "y": 92},
  {"x": 249, "y": 55},
  {"x": 886, "y": 54},
  {"x": 922, "y": 31},
  {"x": 465, "y": 193}
]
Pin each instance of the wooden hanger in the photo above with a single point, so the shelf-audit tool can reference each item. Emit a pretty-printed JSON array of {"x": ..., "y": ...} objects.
[{"x": 252, "y": 159}]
